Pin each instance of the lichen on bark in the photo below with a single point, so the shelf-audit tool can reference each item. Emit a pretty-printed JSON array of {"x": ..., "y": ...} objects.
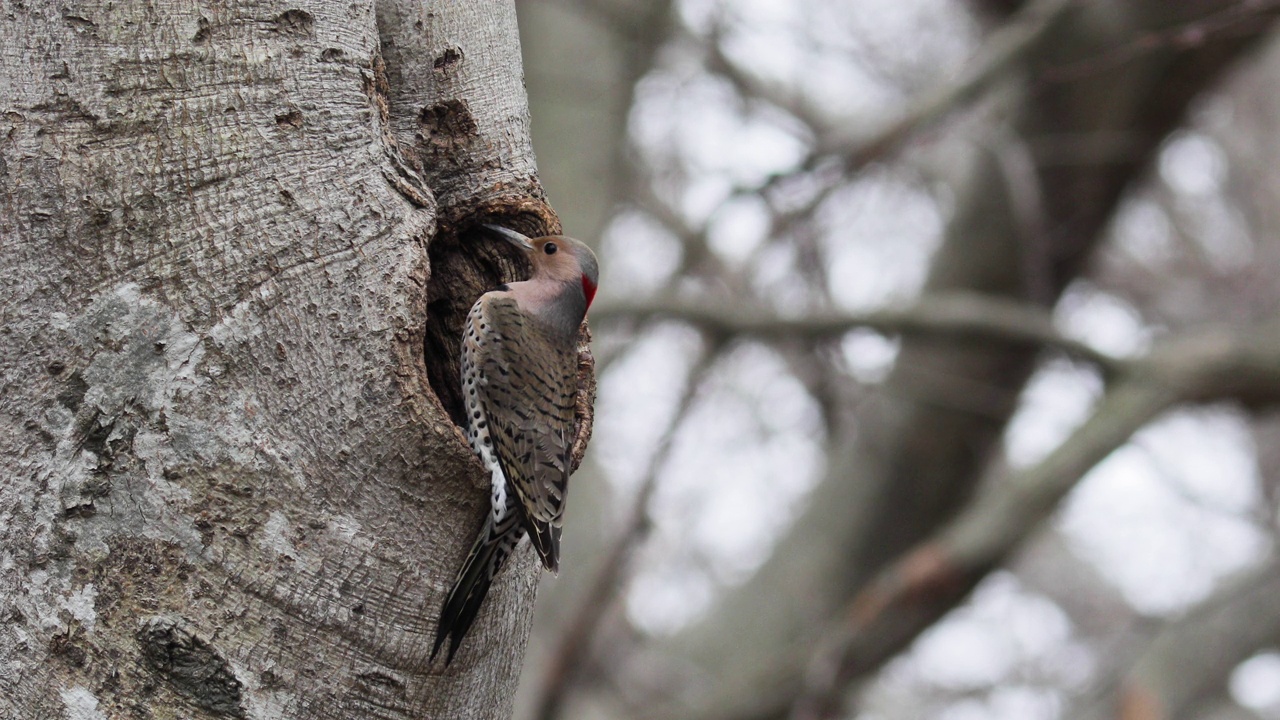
[{"x": 230, "y": 488}]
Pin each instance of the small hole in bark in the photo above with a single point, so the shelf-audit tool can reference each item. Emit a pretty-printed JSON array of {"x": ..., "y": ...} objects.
[
  {"x": 449, "y": 58},
  {"x": 447, "y": 126},
  {"x": 293, "y": 119},
  {"x": 295, "y": 22},
  {"x": 190, "y": 665},
  {"x": 202, "y": 32}
]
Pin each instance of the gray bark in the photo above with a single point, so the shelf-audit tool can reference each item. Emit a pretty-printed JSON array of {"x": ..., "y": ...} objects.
[{"x": 229, "y": 487}]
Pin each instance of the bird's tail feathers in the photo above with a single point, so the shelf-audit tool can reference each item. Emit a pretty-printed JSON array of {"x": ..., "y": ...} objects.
[
  {"x": 546, "y": 540},
  {"x": 492, "y": 548}
]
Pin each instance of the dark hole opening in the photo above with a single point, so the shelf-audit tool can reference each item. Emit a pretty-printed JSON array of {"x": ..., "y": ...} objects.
[{"x": 463, "y": 267}]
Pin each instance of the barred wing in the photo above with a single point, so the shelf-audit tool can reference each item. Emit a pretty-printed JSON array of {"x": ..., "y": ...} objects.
[{"x": 527, "y": 387}]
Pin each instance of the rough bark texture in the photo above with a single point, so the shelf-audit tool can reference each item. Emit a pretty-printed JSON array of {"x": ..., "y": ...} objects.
[{"x": 229, "y": 489}]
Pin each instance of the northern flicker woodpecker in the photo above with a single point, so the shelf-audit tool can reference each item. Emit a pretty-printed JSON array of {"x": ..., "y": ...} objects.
[{"x": 519, "y": 379}]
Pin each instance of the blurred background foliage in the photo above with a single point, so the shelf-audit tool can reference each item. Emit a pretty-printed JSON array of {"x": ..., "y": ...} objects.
[{"x": 937, "y": 354}]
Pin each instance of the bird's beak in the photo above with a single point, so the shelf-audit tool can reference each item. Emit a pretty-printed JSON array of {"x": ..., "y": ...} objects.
[{"x": 509, "y": 235}]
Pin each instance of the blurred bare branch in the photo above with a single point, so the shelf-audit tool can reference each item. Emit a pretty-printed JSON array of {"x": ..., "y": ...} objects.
[
  {"x": 1242, "y": 19},
  {"x": 958, "y": 315},
  {"x": 1001, "y": 53},
  {"x": 1027, "y": 205},
  {"x": 1189, "y": 662},
  {"x": 917, "y": 589}
]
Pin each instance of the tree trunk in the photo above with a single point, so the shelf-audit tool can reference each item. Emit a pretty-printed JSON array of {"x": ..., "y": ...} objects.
[{"x": 227, "y": 233}]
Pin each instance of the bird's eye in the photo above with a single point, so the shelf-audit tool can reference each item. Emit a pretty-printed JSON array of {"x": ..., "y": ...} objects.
[{"x": 550, "y": 248}]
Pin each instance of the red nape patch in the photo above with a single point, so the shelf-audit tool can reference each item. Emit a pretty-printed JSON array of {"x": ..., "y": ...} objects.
[{"x": 588, "y": 289}]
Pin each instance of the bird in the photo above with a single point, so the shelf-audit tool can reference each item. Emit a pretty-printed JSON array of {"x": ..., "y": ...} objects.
[{"x": 519, "y": 382}]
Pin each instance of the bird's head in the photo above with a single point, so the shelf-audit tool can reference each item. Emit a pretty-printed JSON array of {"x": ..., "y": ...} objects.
[{"x": 557, "y": 258}]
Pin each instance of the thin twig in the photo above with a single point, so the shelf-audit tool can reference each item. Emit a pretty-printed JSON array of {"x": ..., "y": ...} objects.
[
  {"x": 1235, "y": 20},
  {"x": 1003, "y": 50}
]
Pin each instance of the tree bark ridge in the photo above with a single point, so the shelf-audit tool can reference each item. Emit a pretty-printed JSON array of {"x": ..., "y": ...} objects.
[{"x": 225, "y": 453}]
